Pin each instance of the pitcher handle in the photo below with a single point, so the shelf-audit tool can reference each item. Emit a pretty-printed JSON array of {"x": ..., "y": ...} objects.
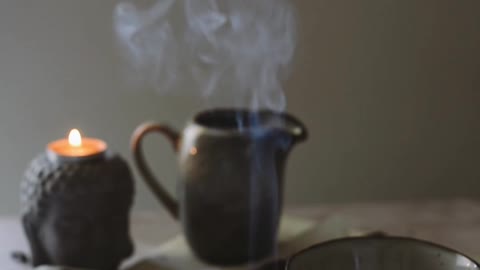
[{"x": 139, "y": 158}]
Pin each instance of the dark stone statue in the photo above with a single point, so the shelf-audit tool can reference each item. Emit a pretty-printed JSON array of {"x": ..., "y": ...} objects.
[{"x": 76, "y": 214}]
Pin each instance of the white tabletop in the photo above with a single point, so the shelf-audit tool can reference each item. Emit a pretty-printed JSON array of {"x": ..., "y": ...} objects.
[{"x": 454, "y": 223}]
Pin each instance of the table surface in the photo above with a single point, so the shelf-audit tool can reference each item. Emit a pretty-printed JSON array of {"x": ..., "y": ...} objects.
[{"x": 454, "y": 223}]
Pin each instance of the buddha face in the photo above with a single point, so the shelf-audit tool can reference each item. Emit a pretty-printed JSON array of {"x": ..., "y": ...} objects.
[{"x": 89, "y": 231}]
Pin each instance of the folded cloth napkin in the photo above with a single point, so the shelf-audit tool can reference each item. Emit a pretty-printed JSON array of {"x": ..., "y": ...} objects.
[
  {"x": 175, "y": 254},
  {"x": 51, "y": 267}
]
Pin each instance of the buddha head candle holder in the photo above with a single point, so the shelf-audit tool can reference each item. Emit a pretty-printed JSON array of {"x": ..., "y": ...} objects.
[{"x": 76, "y": 199}]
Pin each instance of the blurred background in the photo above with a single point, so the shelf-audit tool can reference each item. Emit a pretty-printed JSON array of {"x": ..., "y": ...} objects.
[{"x": 390, "y": 91}]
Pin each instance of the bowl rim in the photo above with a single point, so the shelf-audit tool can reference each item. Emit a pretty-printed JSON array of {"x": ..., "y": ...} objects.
[{"x": 381, "y": 238}]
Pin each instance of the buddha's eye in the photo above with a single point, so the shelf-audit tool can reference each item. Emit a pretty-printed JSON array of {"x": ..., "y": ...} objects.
[{"x": 72, "y": 226}]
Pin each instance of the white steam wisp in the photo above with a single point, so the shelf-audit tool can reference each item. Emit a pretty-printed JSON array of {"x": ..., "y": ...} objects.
[{"x": 238, "y": 48}]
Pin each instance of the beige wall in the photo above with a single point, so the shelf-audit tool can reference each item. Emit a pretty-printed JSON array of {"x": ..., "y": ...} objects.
[{"x": 389, "y": 89}]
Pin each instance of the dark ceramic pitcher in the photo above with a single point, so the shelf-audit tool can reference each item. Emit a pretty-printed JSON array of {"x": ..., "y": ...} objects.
[{"x": 231, "y": 165}]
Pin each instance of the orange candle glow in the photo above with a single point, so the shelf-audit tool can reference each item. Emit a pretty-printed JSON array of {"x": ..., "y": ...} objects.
[{"x": 76, "y": 146}]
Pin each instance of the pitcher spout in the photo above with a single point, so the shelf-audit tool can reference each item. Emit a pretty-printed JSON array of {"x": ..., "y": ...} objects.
[
  {"x": 283, "y": 129},
  {"x": 294, "y": 128}
]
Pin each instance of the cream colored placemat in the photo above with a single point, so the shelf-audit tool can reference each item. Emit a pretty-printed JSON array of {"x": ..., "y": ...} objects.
[{"x": 175, "y": 254}]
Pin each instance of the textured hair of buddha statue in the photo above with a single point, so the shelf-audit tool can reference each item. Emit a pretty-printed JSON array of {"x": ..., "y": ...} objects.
[{"x": 77, "y": 213}]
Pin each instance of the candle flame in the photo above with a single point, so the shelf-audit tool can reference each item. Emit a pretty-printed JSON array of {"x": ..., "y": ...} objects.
[{"x": 74, "y": 138}]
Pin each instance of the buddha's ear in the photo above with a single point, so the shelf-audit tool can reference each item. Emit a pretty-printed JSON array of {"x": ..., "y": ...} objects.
[{"x": 31, "y": 225}]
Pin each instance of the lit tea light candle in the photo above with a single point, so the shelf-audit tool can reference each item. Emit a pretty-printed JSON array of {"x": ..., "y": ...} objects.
[{"x": 75, "y": 147}]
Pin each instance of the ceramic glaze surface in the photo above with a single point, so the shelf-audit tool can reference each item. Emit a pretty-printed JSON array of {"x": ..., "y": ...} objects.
[{"x": 387, "y": 253}]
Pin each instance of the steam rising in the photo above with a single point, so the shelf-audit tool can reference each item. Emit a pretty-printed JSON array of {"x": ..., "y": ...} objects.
[{"x": 238, "y": 48}]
